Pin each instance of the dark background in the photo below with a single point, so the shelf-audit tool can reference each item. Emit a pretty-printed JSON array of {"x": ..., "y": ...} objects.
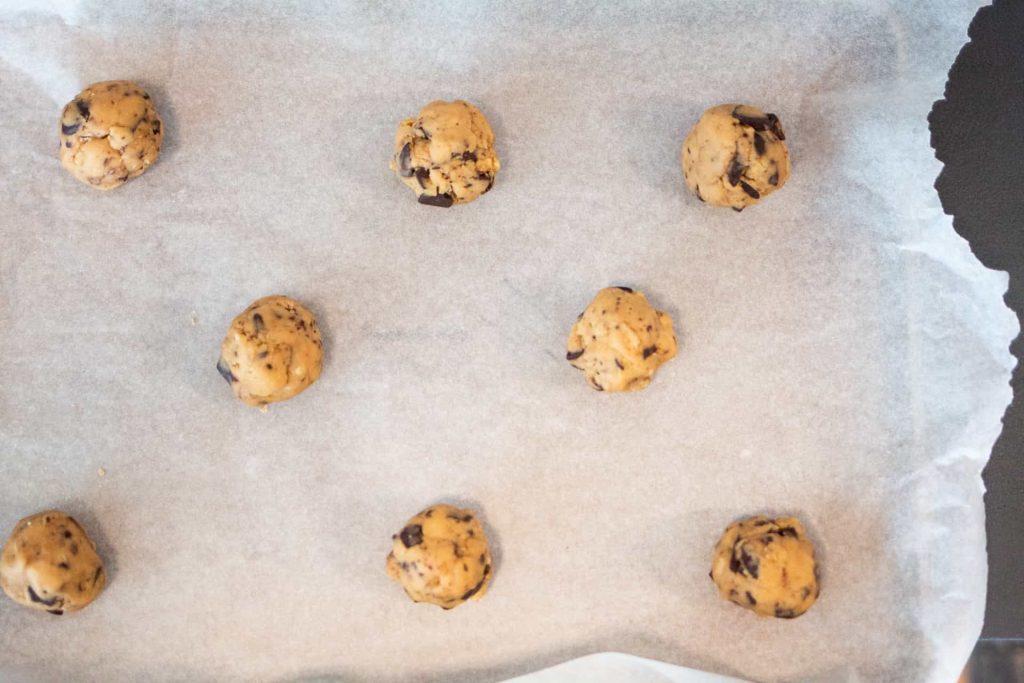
[{"x": 978, "y": 133}]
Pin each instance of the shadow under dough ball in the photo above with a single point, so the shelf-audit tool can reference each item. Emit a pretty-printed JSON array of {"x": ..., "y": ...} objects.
[
  {"x": 109, "y": 133},
  {"x": 767, "y": 566},
  {"x": 272, "y": 351},
  {"x": 441, "y": 556},
  {"x": 49, "y": 563},
  {"x": 735, "y": 155},
  {"x": 446, "y": 154},
  {"x": 620, "y": 340}
]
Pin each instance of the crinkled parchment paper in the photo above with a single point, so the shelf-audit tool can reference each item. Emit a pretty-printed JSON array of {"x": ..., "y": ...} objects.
[{"x": 843, "y": 355}]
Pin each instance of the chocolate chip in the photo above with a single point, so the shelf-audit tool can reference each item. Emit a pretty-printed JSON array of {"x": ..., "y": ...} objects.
[
  {"x": 257, "y": 322},
  {"x": 156, "y": 127},
  {"x": 64, "y": 565},
  {"x": 750, "y": 563},
  {"x": 405, "y": 161},
  {"x": 429, "y": 513},
  {"x": 759, "y": 145},
  {"x": 755, "y": 122},
  {"x": 83, "y": 108},
  {"x": 67, "y": 534},
  {"x": 735, "y": 170},
  {"x": 650, "y": 351},
  {"x": 573, "y": 355},
  {"x": 774, "y": 179},
  {"x": 490, "y": 181},
  {"x": 58, "y": 612},
  {"x": 750, "y": 599},
  {"x": 263, "y": 354},
  {"x": 784, "y": 613},
  {"x": 737, "y": 209},
  {"x": 465, "y": 519},
  {"x": 624, "y": 289},
  {"x": 758, "y": 123},
  {"x": 67, "y": 143},
  {"x": 70, "y": 130},
  {"x": 422, "y": 176},
  {"x": 787, "y": 531},
  {"x": 145, "y": 95},
  {"x": 412, "y": 535},
  {"x": 225, "y": 371},
  {"x": 442, "y": 200},
  {"x": 750, "y": 190},
  {"x": 468, "y": 156},
  {"x": 619, "y": 364},
  {"x": 34, "y": 597},
  {"x": 475, "y": 589},
  {"x": 734, "y": 565}
]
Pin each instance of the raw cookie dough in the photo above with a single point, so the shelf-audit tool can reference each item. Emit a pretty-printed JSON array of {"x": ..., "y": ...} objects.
[
  {"x": 441, "y": 556},
  {"x": 272, "y": 351},
  {"x": 50, "y": 564},
  {"x": 446, "y": 154},
  {"x": 620, "y": 340},
  {"x": 767, "y": 566},
  {"x": 109, "y": 133},
  {"x": 735, "y": 155}
]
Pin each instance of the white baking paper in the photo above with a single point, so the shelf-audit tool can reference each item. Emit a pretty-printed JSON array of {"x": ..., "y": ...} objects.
[
  {"x": 615, "y": 667},
  {"x": 844, "y": 357}
]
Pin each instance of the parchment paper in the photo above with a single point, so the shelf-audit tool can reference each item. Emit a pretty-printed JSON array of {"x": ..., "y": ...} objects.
[
  {"x": 844, "y": 357},
  {"x": 615, "y": 667}
]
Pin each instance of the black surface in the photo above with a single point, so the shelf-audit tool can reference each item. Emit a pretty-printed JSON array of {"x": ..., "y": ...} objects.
[
  {"x": 978, "y": 133},
  {"x": 996, "y": 661}
]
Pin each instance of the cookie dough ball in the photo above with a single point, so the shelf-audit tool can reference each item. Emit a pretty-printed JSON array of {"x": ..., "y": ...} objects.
[
  {"x": 620, "y": 340},
  {"x": 735, "y": 155},
  {"x": 441, "y": 556},
  {"x": 446, "y": 154},
  {"x": 272, "y": 351},
  {"x": 50, "y": 564},
  {"x": 767, "y": 566},
  {"x": 109, "y": 133}
]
